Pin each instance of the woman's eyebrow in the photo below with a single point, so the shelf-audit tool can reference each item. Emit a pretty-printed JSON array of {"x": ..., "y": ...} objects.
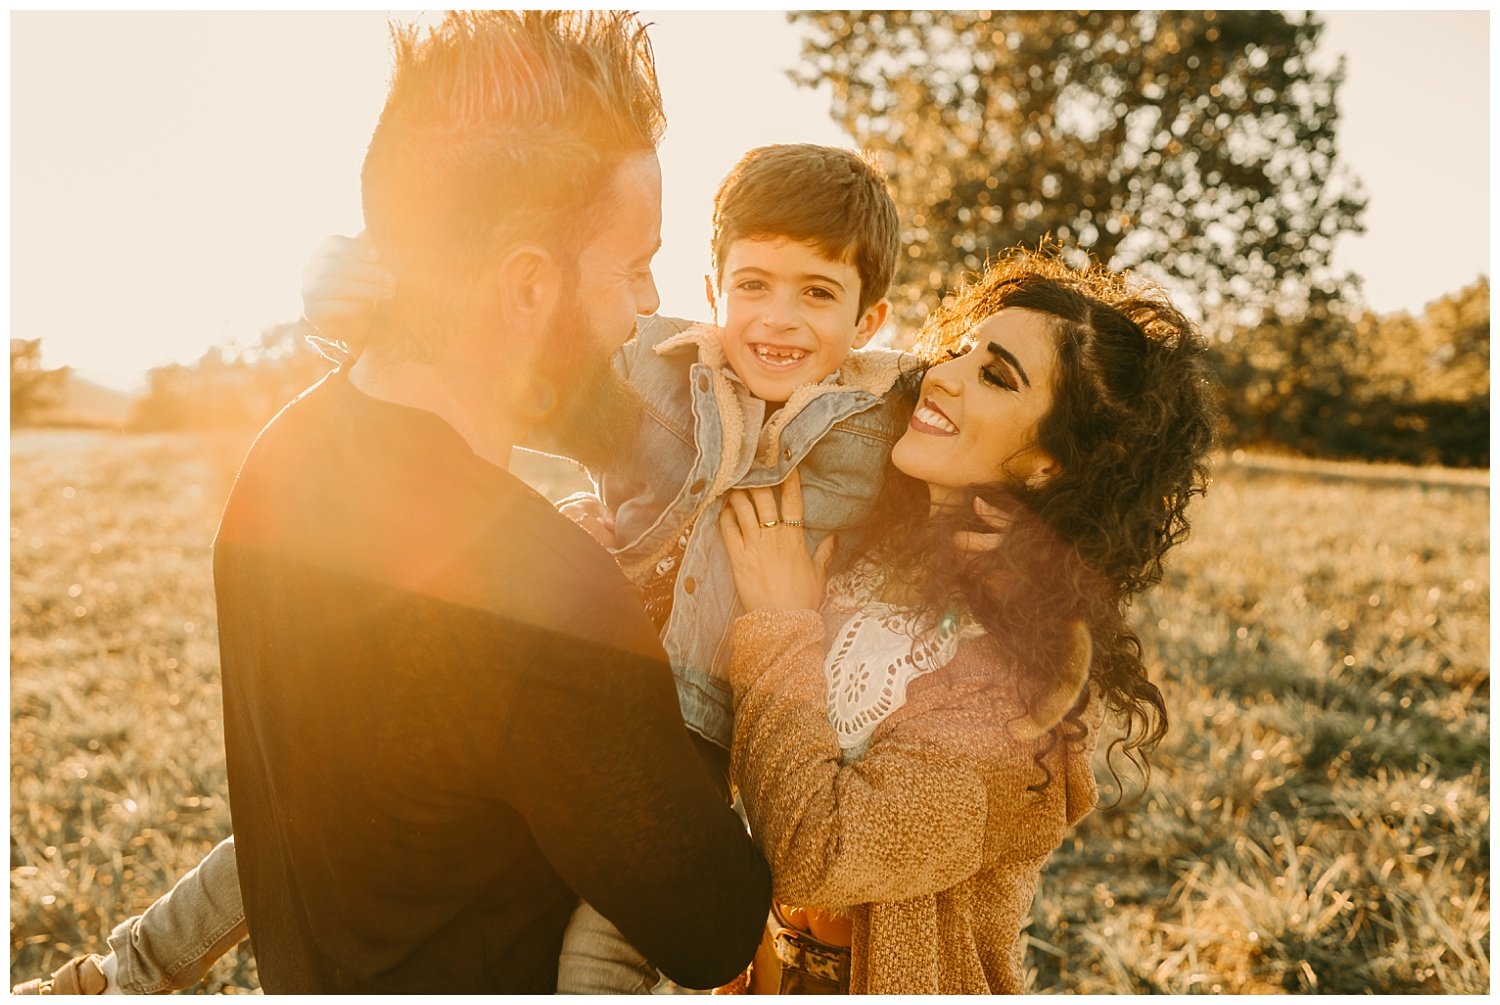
[{"x": 1005, "y": 354}]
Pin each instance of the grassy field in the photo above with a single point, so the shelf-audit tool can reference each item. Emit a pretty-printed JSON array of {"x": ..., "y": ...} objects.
[{"x": 1317, "y": 820}]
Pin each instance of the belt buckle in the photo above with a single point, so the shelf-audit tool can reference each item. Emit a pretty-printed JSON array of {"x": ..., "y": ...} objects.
[{"x": 801, "y": 952}]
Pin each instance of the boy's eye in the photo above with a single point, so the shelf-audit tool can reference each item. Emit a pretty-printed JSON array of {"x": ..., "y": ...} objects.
[
  {"x": 820, "y": 293},
  {"x": 750, "y": 285}
]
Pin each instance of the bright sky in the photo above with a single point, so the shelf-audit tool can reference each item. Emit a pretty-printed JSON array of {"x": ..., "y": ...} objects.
[{"x": 171, "y": 172}]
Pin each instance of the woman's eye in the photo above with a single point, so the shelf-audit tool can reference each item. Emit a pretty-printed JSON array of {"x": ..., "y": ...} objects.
[{"x": 995, "y": 377}]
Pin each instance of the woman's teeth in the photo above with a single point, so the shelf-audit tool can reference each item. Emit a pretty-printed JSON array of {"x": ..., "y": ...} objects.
[
  {"x": 778, "y": 357},
  {"x": 929, "y": 416}
]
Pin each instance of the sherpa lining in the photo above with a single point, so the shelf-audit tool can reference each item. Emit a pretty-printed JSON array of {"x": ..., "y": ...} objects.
[
  {"x": 872, "y": 370},
  {"x": 732, "y": 430}
]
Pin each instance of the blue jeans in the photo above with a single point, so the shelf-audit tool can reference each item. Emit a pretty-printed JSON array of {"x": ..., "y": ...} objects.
[
  {"x": 596, "y": 959},
  {"x": 173, "y": 944}
]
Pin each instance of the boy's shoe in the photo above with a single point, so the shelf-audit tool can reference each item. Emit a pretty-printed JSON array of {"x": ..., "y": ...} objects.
[{"x": 79, "y": 976}]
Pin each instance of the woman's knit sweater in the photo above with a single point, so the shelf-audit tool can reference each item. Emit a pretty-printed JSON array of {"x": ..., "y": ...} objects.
[{"x": 930, "y": 840}]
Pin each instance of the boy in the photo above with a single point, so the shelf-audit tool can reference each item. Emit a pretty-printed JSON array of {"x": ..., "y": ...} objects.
[{"x": 804, "y": 245}]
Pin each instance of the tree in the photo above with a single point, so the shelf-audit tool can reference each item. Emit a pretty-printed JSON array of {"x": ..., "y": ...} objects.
[
  {"x": 1200, "y": 145},
  {"x": 1330, "y": 382},
  {"x": 231, "y": 389},
  {"x": 33, "y": 389}
]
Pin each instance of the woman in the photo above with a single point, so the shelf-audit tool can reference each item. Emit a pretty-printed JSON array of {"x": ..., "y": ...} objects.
[{"x": 909, "y": 781}]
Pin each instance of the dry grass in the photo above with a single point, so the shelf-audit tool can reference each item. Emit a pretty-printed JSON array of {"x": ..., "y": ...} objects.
[{"x": 1318, "y": 819}]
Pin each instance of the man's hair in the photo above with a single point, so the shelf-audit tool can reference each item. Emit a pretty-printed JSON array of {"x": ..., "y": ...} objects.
[
  {"x": 501, "y": 126},
  {"x": 831, "y": 199}
]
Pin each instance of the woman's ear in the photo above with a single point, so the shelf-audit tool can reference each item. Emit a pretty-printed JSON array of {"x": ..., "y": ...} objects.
[{"x": 1045, "y": 470}]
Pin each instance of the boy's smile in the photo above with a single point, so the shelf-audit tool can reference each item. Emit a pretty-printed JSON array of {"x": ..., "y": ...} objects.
[{"x": 791, "y": 315}]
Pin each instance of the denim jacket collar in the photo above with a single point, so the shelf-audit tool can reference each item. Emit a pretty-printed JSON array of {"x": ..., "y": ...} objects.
[{"x": 871, "y": 369}]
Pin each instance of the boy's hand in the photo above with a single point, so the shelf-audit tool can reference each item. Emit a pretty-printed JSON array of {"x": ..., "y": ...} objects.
[
  {"x": 768, "y": 551},
  {"x": 341, "y": 284},
  {"x": 592, "y": 515}
]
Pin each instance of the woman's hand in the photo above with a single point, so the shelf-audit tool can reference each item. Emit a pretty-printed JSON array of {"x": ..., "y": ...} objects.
[
  {"x": 341, "y": 284},
  {"x": 590, "y": 513},
  {"x": 971, "y": 543},
  {"x": 768, "y": 551}
]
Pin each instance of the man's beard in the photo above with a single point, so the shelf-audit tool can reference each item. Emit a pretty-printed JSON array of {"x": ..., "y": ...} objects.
[{"x": 594, "y": 415}]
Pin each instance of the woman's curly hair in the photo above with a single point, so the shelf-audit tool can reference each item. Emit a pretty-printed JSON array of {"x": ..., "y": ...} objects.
[{"x": 1134, "y": 413}]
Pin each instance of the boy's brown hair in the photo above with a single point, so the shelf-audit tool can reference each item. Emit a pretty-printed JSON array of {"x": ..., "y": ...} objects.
[{"x": 831, "y": 199}]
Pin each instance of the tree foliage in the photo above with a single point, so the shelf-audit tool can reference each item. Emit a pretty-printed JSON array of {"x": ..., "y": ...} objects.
[
  {"x": 1200, "y": 145},
  {"x": 33, "y": 389},
  {"x": 1336, "y": 383},
  {"x": 224, "y": 389}
]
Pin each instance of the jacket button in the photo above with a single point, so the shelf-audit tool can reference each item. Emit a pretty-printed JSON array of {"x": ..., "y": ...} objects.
[
  {"x": 696, "y": 487},
  {"x": 689, "y": 584},
  {"x": 702, "y": 383},
  {"x": 787, "y": 453}
]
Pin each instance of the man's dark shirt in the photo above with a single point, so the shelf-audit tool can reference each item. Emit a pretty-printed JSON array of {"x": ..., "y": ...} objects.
[{"x": 447, "y": 718}]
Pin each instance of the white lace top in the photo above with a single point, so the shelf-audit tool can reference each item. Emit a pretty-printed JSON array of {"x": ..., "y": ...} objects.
[{"x": 880, "y": 649}]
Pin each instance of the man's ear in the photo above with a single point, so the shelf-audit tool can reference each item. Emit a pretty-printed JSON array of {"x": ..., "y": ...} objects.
[
  {"x": 870, "y": 322},
  {"x": 713, "y": 301},
  {"x": 527, "y": 284}
]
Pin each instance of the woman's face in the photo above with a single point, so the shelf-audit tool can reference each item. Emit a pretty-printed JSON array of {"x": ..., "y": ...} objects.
[{"x": 977, "y": 416}]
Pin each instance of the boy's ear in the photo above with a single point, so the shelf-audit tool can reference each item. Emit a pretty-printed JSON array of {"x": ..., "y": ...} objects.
[
  {"x": 527, "y": 285},
  {"x": 708, "y": 291},
  {"x": 870, "y": 322}
]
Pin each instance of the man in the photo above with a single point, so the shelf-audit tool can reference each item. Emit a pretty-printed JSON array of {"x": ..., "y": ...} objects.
[{"x": 447, "y": 717}]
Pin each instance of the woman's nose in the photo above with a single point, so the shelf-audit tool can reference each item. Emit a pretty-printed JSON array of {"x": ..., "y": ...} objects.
[{"x": 946, "y": 377}]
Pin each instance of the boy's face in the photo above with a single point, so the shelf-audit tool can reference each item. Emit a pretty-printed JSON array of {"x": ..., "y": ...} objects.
[{"x": 791, "y": 316}]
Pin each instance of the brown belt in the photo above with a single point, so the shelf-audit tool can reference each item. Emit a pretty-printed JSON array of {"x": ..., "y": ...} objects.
[{"x": 790, "y": 961}]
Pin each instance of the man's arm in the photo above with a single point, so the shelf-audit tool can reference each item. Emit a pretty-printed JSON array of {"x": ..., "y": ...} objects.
[{"x": 600, "y": 764}]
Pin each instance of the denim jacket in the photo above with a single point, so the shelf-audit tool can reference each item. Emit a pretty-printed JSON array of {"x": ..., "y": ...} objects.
[{"x": 700, "y": 437}]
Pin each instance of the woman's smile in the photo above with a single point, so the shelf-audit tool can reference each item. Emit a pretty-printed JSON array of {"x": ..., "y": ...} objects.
[{"x": 930, "y": 419}]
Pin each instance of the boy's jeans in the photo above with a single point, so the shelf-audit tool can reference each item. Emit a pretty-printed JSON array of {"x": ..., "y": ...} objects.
[
  {"x": 596, "y": 959},
  {"x": 173, "y": 944}
]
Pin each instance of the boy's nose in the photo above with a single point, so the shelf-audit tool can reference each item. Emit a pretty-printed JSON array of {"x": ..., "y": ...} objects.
[{"x": 778, "y": 314}]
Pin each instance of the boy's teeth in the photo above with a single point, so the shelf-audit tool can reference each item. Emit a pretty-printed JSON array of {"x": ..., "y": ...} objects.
[
  {"x": 935, "y": 418},
  {"x": 779, "y": 355}
]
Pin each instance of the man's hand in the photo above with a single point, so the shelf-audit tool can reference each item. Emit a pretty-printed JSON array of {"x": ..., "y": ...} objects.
[
  {"x": 590, "y": 513},
  {"x": 768, "y": 551},
  {"x": 341, "y": 284}
]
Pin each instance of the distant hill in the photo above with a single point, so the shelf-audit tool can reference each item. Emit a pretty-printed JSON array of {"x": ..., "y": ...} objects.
[{"x": 84, "y": 403}]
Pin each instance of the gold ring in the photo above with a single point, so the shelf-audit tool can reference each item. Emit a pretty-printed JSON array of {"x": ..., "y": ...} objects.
[
  {"x": 791, "y": 523},
  {"x": 770, "y": 523}
]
